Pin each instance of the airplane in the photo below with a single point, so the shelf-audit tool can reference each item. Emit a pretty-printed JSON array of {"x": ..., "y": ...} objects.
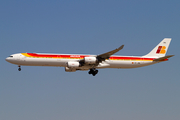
[{"x": 74, "y": 62}]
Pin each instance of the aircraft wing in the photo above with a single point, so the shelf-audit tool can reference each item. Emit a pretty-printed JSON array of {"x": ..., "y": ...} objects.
[
  {"x": 163, "y": 58},
  {"x": 107, "y": 55}
]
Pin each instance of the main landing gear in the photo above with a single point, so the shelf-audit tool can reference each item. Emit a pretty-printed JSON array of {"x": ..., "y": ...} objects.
[
  {"x": 93, "y": 71},
  {"x": 19, "y": 68}
]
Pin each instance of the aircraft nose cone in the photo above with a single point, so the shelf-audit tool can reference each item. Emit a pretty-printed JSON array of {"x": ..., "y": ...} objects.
[{"x": 7, "y": 59}]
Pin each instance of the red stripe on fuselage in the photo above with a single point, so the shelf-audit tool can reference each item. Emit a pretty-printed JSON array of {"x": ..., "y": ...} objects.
[
  {"x": 56, "y": 55},
  {"x": 129, "y": 58},
  {"x": 82, "y": 56}
]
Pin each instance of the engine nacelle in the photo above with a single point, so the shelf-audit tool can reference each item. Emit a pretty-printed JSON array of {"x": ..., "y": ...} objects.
[
  {"x": 70, "y": 69},
  {"x": 73, "y": 64},
  {"x": 90, "y": 60}
]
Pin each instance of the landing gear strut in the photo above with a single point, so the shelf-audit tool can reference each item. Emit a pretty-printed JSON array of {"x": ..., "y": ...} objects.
[
  {"x": 93, "y": 71},
  {"x": 19, "y": 68}
]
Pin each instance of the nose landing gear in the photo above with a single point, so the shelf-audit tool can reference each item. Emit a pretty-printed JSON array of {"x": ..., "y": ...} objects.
[
  {"x": 93, "y": 71},
  {"x": 19, "y": 68}
]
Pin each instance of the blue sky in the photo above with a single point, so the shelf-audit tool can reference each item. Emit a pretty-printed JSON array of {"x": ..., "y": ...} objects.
[{"x": 89, "y": 27}]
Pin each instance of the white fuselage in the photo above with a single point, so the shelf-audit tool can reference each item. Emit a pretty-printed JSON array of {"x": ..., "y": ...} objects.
[
  {"x": 74, "y": 62},
  {"x": 61, "y": 60}
]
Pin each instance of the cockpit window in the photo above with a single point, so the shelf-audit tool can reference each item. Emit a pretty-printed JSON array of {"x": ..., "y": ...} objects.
[{"x": 10, "y": 56}]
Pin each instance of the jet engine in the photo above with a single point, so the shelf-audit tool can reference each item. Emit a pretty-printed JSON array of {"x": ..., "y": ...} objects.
[
  {"x": 73, "y": 64},
  {"x": 90, "y": 60},
  {"x": 70, "y": 69}
]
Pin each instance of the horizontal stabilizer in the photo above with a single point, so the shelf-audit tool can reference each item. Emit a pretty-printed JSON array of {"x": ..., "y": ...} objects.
[{"x": 163, "y": 58}]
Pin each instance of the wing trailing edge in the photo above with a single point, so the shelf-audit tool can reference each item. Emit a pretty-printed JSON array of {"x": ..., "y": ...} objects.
[{"x": 107, "y": 55}]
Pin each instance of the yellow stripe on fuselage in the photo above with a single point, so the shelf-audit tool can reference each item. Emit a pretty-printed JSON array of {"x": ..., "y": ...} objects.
[{"x": 25, "y": 54}]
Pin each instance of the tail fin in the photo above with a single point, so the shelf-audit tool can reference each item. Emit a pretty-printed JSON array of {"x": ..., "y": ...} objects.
[{"x": 161, "y": 49}]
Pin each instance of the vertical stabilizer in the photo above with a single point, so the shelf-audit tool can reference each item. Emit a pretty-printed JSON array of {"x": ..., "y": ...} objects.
[{"x": 161, "y": 49}]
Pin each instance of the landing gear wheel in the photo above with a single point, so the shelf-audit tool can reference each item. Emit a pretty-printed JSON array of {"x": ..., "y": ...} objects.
[
  {"x": 19, "y": 68},
  {"x": 93, "y": 72},
  {"x": 96, "y": 71},
  {"x": 90, "y": 72}
]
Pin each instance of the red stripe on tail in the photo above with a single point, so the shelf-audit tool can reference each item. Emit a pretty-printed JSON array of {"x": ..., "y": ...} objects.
[{"x": 159, "y": 49}]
